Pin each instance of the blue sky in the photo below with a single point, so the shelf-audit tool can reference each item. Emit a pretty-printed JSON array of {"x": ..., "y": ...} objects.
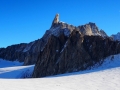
[{"x": 22, "y": 21}]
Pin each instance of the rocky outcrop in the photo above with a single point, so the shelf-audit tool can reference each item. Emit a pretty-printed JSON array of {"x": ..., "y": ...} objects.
[
  {"x": 74, "y": 53},
  {"x": 99, "y": 47},
  {"x": 24, "y": 52},
  {"x": 13, "y": 52},
  {"x": 56, "y": 20},
  {"x": 102, "y": 33},
  {"x": 28, "y": 52},
  {"x": 19, "y": 52},
  {"x": 91, "y": 29}
]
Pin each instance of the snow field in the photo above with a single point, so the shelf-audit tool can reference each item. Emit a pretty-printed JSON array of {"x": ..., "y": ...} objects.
[{"x": 104, "y": 77}]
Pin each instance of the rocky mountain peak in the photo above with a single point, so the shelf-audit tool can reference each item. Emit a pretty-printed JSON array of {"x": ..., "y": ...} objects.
[
  {"x": 92, "y": 24},
  {"x": 59, "y": 27},
  {"x": 91, "y": 29},
  {"x": 116, "y": 36},
  {"x": 64, "y": 48},
  {"x": 56, "y": 20},
  {"x": 28, "y": 53}
]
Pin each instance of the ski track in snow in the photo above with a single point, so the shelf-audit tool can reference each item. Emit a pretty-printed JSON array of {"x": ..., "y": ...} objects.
[{"x": 105, "y": 77}]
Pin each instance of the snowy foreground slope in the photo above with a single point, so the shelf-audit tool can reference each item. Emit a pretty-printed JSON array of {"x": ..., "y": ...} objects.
[{"x": 105, "y": 77}]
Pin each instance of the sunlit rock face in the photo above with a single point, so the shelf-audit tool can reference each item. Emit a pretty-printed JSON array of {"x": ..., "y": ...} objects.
[{"x": 56, "y": 19}]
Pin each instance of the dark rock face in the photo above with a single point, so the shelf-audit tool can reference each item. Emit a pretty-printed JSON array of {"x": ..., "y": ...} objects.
[
  {"x": 24, "y": 52},
  {"x": 99, "y": 48},
  {"x": 74, "y": 53},
  {"x": 11, "y": 52}
]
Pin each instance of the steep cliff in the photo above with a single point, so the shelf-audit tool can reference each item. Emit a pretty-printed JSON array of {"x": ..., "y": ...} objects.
[{"x": 74, "y": 53}]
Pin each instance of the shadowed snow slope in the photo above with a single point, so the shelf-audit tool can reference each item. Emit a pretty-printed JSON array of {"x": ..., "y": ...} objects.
[
  {"x": 6, "y": 63},
  {"x": 9, "y": 69},
  {"x": 16, "y": 72},
  {"x": 104, "y": 77}
]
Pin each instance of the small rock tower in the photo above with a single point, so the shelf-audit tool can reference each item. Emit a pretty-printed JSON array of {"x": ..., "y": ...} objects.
[{"x": 56, "y": 20}]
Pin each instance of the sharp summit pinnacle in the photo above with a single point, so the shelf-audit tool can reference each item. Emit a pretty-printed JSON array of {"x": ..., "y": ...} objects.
[{"x": 56, "y": 20}]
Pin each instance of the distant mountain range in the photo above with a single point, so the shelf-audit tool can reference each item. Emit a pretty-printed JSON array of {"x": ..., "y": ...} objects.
[
  {"x": 64, "y": 48},
  {"x": 116, "y": 36}
]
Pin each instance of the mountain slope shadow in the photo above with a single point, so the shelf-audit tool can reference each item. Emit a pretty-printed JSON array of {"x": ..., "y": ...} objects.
[{"x": 16, "y": 72}]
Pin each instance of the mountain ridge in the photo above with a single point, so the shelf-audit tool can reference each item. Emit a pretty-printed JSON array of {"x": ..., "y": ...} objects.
[
  {"x": 27, "y": 52},
  {"x": 116, "y": 36}
]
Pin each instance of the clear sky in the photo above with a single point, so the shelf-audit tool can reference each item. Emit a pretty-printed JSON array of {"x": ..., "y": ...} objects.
[{"x": 23, "y": 21}]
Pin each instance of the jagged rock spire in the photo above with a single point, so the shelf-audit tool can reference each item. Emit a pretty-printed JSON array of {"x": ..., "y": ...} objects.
[{"x": 56, "y": 20}]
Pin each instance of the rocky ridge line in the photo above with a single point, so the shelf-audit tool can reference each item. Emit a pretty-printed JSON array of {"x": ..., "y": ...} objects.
[{"x": 28, "y": 52}]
